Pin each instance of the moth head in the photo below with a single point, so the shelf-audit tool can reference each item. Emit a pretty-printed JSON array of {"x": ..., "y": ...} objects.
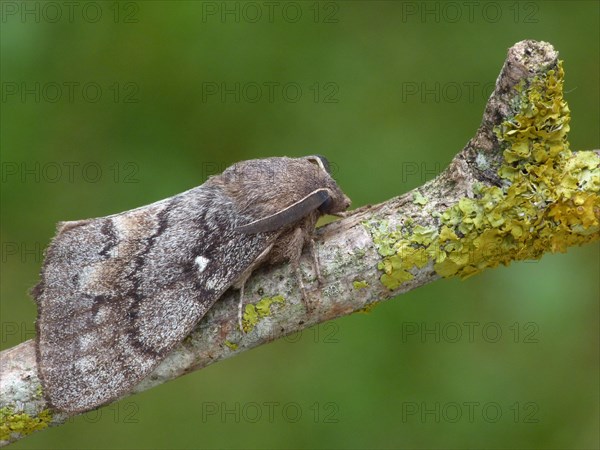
[
  {"x": 286, "y": 191},
  {"x": 336, "y": 201}
]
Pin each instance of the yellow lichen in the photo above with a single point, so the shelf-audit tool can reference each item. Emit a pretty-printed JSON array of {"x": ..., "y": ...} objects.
[
  {"x": 419, "y": 199},
  {"x": 231, "y": 345},
  {"x": 358, "y": 285},
  {"x": 21, "y": 424},
  {"x": 368, "y": 308},
  {"x": 549, "y": 200},
  {"x": 253, "y": 313}
]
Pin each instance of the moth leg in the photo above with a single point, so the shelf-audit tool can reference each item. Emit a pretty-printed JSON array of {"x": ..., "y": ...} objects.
[
  {"x": 297, "y": 242},
  {"x": 241, "y": 283},
  {"x": 313, "y": 251},
  {"x": 296, "y": 268},
  {"x": 342, "y": 214},
  {"x": 241, "y": 306},
  {"x": 288, "y": 248}
]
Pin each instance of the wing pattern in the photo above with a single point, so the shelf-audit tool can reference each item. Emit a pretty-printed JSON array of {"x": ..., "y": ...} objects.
[{"x": 118, "y": 293}]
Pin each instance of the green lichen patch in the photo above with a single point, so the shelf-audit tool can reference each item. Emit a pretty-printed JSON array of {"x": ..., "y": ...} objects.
[
  {"x": 358, "y": 285},
  {"x": 549, "y": 199},
  {"x": 253, "y": 313},
  {"x": 231, "y": 345},
  {"x": 401, "y": 249},
  {"x": 384, "y": 238},
  {"x": 419, "y": 199},
  {"x": 21, "y": 424},
  {"x": 368, "y": 308},
  {"x": 38, "y": 391}
]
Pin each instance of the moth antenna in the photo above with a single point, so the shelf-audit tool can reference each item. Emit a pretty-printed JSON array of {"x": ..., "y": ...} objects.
[{"x": 321, "y": 161}]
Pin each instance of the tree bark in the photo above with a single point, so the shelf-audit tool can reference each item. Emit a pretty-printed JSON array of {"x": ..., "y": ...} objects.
[{"x": 514, "y": 192}]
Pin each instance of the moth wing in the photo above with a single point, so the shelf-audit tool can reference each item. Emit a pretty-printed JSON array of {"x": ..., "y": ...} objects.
[{"x": 118, "y": 293}]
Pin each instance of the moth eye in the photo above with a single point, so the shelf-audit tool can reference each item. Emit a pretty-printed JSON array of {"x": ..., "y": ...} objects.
[{"x": 320, "y": 161}]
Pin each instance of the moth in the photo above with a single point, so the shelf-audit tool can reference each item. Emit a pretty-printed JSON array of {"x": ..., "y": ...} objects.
[{"x": 117, "y": 293}]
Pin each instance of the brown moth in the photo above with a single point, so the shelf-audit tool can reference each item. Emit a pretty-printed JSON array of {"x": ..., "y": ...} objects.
[{"x": 117, "y": 293}]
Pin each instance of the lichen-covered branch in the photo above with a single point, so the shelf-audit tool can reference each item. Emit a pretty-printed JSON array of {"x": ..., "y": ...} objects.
[{"x": 516, "y": 191}]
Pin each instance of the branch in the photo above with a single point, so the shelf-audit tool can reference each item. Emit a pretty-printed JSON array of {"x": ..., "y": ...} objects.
[{"x": 514, "y": 192}]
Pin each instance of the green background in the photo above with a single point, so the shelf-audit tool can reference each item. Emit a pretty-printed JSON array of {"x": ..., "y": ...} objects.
[{"x": 150, "y": 134}]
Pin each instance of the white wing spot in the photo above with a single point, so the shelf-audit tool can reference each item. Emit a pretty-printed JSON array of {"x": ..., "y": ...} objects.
[
  {"x": 201, "y": 262},
  {"x": 86, "y": 341}
]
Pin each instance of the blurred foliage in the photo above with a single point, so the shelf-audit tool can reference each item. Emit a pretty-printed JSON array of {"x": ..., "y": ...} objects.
[{"x": 139, "y": 103}]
